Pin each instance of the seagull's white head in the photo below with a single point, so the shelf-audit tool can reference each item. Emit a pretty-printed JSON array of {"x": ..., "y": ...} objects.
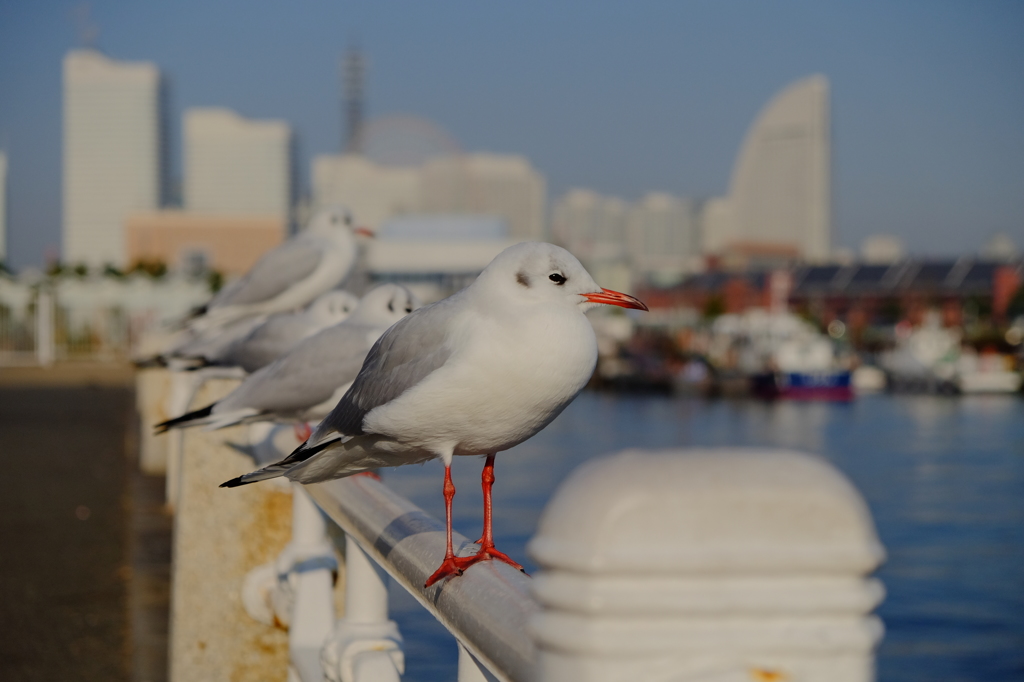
[
  {"x": 384, "y": 305},
  {"x": 333, "y": 218},
  {"x": 333, "y": 307},
  {"x": 540, "y": 272}
]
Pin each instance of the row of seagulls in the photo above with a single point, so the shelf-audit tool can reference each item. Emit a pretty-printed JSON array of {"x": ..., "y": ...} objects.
[
  {"x": 474, "y": 374},
  {"x": 275, "y": 335},
  {"x": 305, "y": 383},
  {"x": 290, "y": 276}
]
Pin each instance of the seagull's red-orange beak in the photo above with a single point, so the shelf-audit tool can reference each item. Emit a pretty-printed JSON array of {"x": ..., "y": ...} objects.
[
  {"x": 364, "y": 231},
  {"x": 609, "y": 297}
]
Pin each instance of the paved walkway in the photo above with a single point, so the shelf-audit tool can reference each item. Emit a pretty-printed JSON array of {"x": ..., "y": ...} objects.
[{"x": 84, "y": 545}]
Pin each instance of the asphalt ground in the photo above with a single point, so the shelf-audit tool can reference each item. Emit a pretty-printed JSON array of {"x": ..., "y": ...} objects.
[{"x": 84, "y": 543}]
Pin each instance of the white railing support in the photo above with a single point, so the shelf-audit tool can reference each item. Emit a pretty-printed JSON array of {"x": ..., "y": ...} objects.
[
  {"x": 694, "y": 565},
  {"x": 310, "y": 580},
  {"x": 365, "y": 645},
  {"x": 45, "y": 339},
  {"x": 487, "y": 609}
]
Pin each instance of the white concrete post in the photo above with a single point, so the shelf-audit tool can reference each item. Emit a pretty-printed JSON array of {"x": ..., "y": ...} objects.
[
  {"x": 706, "y": 565},
  {"x": 470, "y": 669},
  {"x": 45, "y": 342},
  {"x": 365, "y": 646},
  {"x": 313, "y": 573}
]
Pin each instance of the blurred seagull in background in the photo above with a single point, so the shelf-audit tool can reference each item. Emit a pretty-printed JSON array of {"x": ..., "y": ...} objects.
[
  {"x": 290, "y": 276},
  {"x": 277, "y": 334},
  {"x": 307, "y": 382},
  {"x": 475, "y": 374}
]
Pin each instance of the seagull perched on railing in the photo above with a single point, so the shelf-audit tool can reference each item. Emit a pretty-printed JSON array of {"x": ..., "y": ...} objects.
[
  {"x": 277, "y": 334},
  {"x": 307, "y": 381},
  {"x": 291, "y": 275},
  {"x": 474, "y": 374}
]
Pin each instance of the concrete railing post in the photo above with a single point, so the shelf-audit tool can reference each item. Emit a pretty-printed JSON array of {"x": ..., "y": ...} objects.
[
  {"x": 365, "y": 645},
  {"x": 706, "y": 565},
  {"x": 45, "y": 337}
]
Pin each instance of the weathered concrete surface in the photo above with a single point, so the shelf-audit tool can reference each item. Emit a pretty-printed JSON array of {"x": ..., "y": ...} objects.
[
  {"x": 64, "y": 533},
  {"x": 151, "y": 387},
  {"x": 220, "y": 534}
]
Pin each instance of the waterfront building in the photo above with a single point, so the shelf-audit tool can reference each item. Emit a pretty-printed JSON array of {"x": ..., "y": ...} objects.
[
  {"x": 374, "y": 192},
  {"x": 192, "y": 241},
  {"x": 3, "y": 207},
  {"x": 662, "y": 238},
  {"x": 503, "y": 185},
  {"x": 435, "y": 255},
  {"x": 113, "y": 153},
  {"x": 591, "y": 226},
  {"x": 493, "y": 185},
  {"x": 779, "y": 201},
  {"x": 881, "y": 249},
  {"x": 235, "y": 165}
]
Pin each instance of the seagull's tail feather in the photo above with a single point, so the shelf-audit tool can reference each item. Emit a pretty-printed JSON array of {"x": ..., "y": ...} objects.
[
  {"x": 298, "y": 456},
  {"x": 220, "y": 421},
  {"x": 188, "y": 419}
]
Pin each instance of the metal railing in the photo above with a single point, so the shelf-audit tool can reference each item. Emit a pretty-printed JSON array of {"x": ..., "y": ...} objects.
[{"x": 676, "y": 565}]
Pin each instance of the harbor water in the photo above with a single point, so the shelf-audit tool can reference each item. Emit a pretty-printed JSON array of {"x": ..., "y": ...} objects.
[{"x": 943, "y": 476}]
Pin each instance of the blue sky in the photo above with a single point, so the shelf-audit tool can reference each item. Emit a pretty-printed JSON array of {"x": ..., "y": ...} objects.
[{"x": 927, "y": 95}]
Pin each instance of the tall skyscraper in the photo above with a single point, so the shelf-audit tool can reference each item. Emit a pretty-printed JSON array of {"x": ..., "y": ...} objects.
[
  {"x": 235, "y": 165},
  {"x": 780, "y": 193},
  {"x": 662, "y": 237},
  {"x": 112, "y": 152},
  {"x": 591, "y": 226},
  {"x": 3, "y": 207}
]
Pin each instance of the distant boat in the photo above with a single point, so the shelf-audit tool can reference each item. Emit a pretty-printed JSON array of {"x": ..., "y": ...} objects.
[{"x": 832, "y": 385}]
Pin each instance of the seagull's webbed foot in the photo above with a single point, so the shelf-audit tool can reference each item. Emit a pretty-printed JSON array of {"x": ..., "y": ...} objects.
[
  {"x": 453, "y": 566},
  {"x": 489, "y": 552}
]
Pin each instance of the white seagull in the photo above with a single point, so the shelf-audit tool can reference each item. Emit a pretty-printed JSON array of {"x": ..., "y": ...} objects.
[
  {"x": 307, "y": 382},
  {"x": 279, "y": 333},
  {"x": 290, "y": 276},
  {"x": 474, "y": 374}
]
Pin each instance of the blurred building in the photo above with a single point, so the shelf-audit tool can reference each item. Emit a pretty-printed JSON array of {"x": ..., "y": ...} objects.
[
  {"x": 663, "y": 238},
  {"x": 113, "y": 152},
  {"x": 235, "y": 165},
  {"x": 193, "y": 241},
  {"x": 591, "y": 226},
  {"x": 435, "y": 255},
  {"x": 374, "y": 192},
  {"x": 652, "y": 240},
  {"x": 859, "y": 293},
  {"x": 503, "y": 185},
  {"x": 3, "y": 207},
  {"x": 881, "y": 249},
  {"x": 779, "y": 201},
  {"x": 407, "y": 165}
]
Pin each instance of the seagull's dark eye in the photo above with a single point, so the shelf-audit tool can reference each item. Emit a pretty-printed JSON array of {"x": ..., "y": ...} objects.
[
  {"x": 408, "y": 308},
  {"x": 557, "y": 278}
]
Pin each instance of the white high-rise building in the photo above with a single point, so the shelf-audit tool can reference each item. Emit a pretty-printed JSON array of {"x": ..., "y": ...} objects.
[
  {"x": 3, "y": 207},
  {"x": 591, "y": 226},
  {"x": 113, "y": 155},
  {"x": 492, "y": 185},
  {"x": 780, "y": 193},
  {"x": 235, "y": 165},
  {"x": 502, "y": 185},
  {"x": 662, "y": 237},
  {"x": 374, "y": 192}
]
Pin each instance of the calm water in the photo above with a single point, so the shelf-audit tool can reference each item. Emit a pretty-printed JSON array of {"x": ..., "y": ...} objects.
[{"x": 944, "y": 478}]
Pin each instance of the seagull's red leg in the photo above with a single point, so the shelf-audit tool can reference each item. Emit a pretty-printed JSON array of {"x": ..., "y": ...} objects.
[
  {"x": 452, "y": 565},
  {"x": 486, "y": 540},
  {"x": 303, "y": 431}
]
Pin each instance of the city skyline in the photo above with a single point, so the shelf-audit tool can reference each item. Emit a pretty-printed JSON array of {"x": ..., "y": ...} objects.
[{"x": 926, "y": 98}]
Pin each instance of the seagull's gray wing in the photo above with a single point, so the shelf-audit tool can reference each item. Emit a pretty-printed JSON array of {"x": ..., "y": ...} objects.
[
  {"x": 277, "y": 270},
  {"x": 411, "y": 349},
  {"x": 268, "y": 342},
  {"x": 306, "y": 376}
]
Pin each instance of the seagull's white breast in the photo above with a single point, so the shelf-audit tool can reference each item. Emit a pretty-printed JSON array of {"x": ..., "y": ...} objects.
[{"x": 509, "y": 375}]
